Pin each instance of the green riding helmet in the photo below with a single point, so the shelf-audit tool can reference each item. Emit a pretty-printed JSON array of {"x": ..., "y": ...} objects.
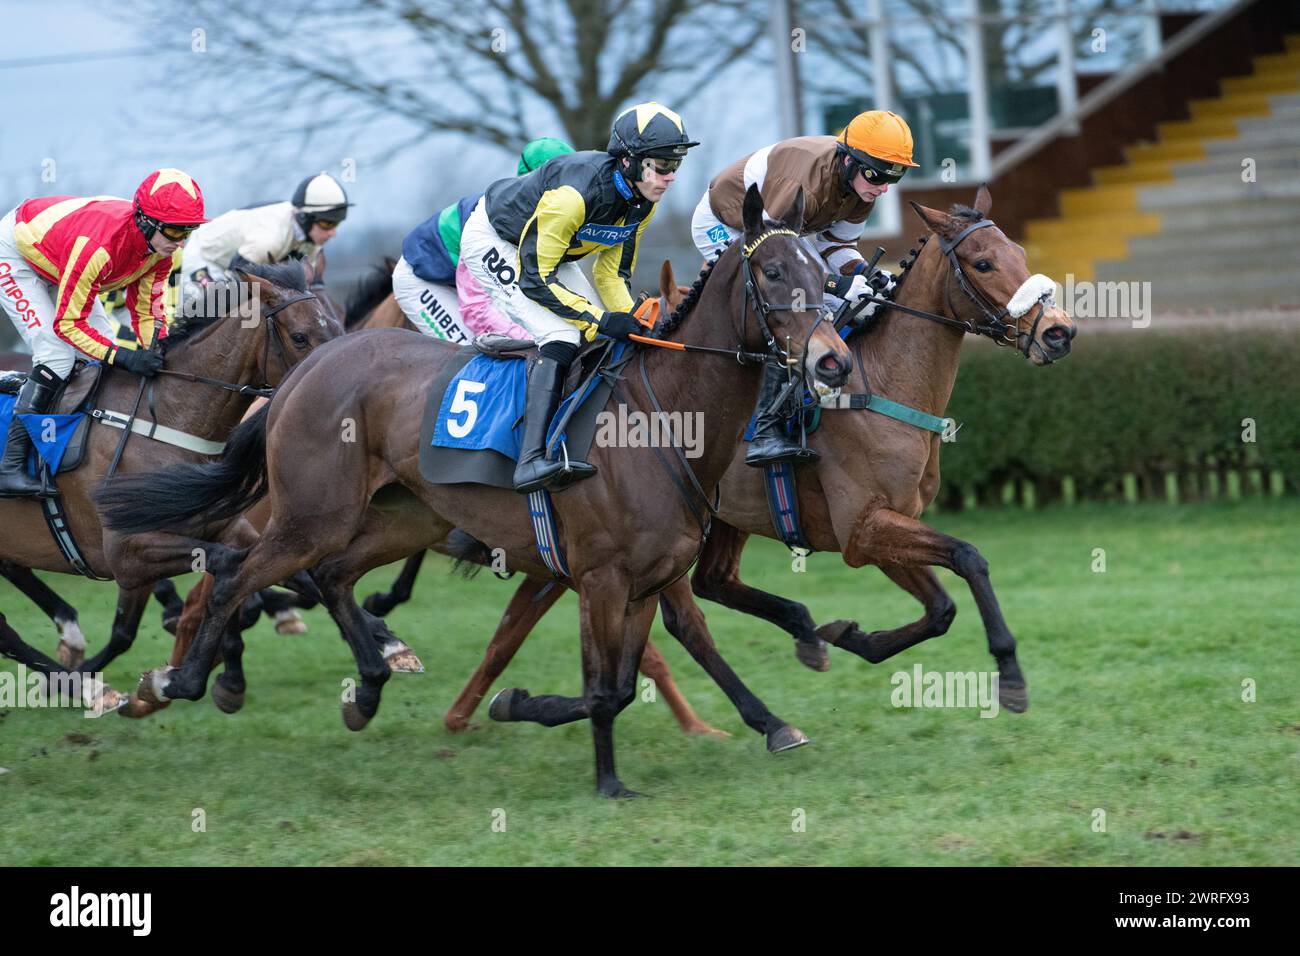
[{"x": 539, "y": 151}]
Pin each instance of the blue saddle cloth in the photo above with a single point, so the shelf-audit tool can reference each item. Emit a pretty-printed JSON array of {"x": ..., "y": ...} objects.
[
  {"x": 50, "y": 434},
  {"x": 483, "y": 406}
]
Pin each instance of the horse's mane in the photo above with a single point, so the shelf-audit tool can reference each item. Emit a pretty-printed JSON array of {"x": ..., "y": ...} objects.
[
  {"x": 670, "y": 322},
  {"x": 288, "y": 275},
  {"x": 969, "y": 213},
  {"x": 369, "y": 292}
]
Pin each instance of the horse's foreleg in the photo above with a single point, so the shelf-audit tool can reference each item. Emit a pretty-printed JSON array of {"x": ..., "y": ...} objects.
[
  {"x": 531, "y": 600},
  {"x": 717, "y": 578},
  {"x": 655, "y": 667},
  {"x": 72, "y": 643},
  {"x": 886, "y": 537},
  {"x": 685, "y": 621},
  {"x": 126, "y": 624},
  {"x": 165, "y": 592},
  {"x": 918, "y": 581}
]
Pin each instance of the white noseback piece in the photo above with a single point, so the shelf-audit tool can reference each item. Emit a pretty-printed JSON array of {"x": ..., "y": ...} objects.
[{"x": 1036, "y": 287}]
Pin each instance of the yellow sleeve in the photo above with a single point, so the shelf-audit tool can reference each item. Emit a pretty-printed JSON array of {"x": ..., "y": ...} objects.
[{"x": 612, "y": 273}]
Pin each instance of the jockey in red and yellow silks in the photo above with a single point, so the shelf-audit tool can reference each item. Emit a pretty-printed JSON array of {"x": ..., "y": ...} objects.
[{"x": 57, "y": 254}]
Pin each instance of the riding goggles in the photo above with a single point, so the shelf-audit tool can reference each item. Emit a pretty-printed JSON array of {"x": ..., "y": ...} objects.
[
  {"x": 663, "y": 166},
  {"x": 882, "y": 175},
  {"x": 175, "y": 233},
  {"x": 327, "y": 224}
]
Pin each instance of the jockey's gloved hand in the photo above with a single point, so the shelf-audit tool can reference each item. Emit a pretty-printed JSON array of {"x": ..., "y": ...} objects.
[
  {"x": 838, "y": 285},
  {"x": 138, "y": 361},
  {"x": 619, "y": 325},
  {"x": 883, "y": 282}
]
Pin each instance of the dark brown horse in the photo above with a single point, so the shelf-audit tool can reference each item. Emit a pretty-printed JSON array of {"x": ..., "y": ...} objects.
[
  {"x": 242, "y": 354},
  {"x": 865, "y": 496},
  {"x": 344, "y": 507}
]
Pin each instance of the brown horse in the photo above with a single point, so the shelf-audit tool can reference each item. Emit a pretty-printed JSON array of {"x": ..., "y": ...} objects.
[
  {"x": 213, "y": 367},
  {"x": 344, "y": 507},
  {"x": 865, "y": 506}
]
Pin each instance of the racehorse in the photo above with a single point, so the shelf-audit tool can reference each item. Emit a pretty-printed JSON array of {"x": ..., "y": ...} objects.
[
  {"x": 214, "y": 367},
  {"x": 875, "y": 477},
  {"x": 342, "y": 508}
]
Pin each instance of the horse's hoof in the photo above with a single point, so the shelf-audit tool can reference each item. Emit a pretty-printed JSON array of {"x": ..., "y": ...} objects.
[
  {"x": 833, "y": 632},
  {"x": 1014, "y": 697},
  {"x": 289, "y": 622},
  {"x": 150, "y": 688},
  {"x": 616, "y": 791},
  {"x": 503, "y": 704},
  {"x": 70, "y": 655},
  {"x": 785, "y": 738},
  {"x": 107, "y": 702},
  {"x": 137, "y": 708},
  {"x": 813, "y": 655},
  {"x": 228, "y": 701},
  {"x": 455, "y": 722},
  {"x": 402, "y": 660},
  {"x": 353, "y": 718}
]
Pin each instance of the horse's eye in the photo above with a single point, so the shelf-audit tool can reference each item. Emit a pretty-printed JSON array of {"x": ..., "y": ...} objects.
[
  {"x": 984, "y": 266},
  {"x": 772, "y": 274},
  {"x": 299, "y": 339}
]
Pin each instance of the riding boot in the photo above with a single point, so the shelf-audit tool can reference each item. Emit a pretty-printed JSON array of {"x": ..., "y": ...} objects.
[
  {"x": 36, "y": 398},
  {"x": 545, "y": 380},
  {"x": 770, "y": 443}
]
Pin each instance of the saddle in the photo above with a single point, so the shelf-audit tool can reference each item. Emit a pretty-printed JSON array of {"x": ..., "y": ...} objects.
[
  {"x": 76, "y": 397},
  {"x": 467, "y": 431}
]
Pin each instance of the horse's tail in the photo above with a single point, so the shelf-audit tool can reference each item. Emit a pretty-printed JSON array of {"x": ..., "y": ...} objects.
[
  {"x": 369, "y": 292},
  {"x": 470, "y": 554},
  {"x": 188, "y": 495}
]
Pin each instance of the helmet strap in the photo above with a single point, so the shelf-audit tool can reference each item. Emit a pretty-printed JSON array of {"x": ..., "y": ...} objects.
[{"x": 147, "y": 225}]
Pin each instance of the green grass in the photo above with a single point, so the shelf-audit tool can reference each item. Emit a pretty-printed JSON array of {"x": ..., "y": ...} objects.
[{"x": 1135, "y": 679}]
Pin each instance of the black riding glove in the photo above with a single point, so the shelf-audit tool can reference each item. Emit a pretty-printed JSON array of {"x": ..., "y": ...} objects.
[
  {"x": 619, "y": 325},
  {"x": 138, "y": 361}
]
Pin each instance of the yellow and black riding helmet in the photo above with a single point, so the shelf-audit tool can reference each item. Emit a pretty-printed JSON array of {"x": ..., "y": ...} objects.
[
  {"x": 879, "y": 145},
  {"x": 649, "y": 130}
]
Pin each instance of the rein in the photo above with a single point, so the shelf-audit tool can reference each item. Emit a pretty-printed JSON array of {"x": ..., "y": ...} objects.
[{"x": 265, "y": 391}]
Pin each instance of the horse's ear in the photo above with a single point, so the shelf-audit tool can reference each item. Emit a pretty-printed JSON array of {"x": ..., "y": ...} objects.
[
  {"x": 794, "y": 218},
  {"x": 983, "y": 201},
  {"x": 939, "y": 222},
  {"x": 753, "y": 212},
  {"x": 667, "y": 281}
]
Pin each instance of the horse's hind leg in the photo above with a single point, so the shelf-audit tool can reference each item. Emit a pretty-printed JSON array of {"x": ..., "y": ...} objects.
[
  {"x": 655, "y": 667},
  {"x": 685, "y": 621},
  {"x": 717, "y": 578},
  {"x": 922, "y": 584},
  {"x": 281, "y": 607},
  {"x": 531, "y": 600},
  {"x": 72, "y": 643},
  {"x": 173, "y": 606},
  {"x": 907, "y": 541},
  {"x": 379, "y": 603}
]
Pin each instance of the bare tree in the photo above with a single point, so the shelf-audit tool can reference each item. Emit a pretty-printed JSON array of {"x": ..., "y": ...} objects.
[{"x": 499, "y": 70}]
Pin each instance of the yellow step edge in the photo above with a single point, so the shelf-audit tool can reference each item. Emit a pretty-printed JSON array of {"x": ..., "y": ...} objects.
[
  {"x": 1177, "y": 151},
  {"x": 1255, "y": 104},
  {"x": 1082, "y": 202},
  {"x": 1135, "y": 173},
  {"x": 1271, "y": 83},
  {"x": 1292, "y": 42},
  {"x": 1213, "y": 128},
  {"x": 1131, "y": 224},
  {"x": 1277, "y": 61}
]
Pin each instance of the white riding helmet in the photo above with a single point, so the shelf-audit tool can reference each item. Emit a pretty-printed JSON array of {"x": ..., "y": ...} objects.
[{"x": 320, "y": 197}]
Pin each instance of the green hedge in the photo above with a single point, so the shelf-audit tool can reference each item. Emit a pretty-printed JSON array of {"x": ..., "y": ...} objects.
[{"x": 1144, "y": 403}]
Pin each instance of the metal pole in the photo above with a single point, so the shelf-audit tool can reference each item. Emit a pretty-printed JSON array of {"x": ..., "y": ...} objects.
[
  {"x": 977, "y": 96},
  {"x": 1067, "y": 88},
  {"x": 789, "y": 106}
]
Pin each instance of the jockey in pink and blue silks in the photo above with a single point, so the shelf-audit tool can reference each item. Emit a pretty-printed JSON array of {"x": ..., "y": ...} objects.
[{"x": 433, "y": 287}]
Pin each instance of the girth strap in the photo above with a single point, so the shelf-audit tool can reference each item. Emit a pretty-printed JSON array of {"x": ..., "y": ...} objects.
[{"x": 162, "y": 433}]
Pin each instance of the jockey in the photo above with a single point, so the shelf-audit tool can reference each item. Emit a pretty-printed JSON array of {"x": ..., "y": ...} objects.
[
  {"x": 841, "y": 177},
  {"x": 265, "y": 234},
  {"x": 435, "y": 290},
  {"x": 57, "y": 254},
  {"x": 524, "y": 238}
]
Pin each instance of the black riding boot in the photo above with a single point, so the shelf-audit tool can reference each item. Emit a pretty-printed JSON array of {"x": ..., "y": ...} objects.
[
  {"x": 36, "y": 398},
  {"x": 545, "y": 380},
  {"x": 770, "y": 443}
]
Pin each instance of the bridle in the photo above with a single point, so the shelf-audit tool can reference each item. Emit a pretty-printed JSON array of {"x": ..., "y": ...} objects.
[
  {"x": 273, "y": 336},
  {"x": 762, "y": 308},
  {"x": 991, "y": 324}
]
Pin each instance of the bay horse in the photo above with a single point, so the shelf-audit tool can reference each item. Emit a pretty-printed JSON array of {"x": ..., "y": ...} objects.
[
  {"x": 341, "y": 508},
  {"x": 865, "y": 495},
  {"x": 213, "y": 368}
]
